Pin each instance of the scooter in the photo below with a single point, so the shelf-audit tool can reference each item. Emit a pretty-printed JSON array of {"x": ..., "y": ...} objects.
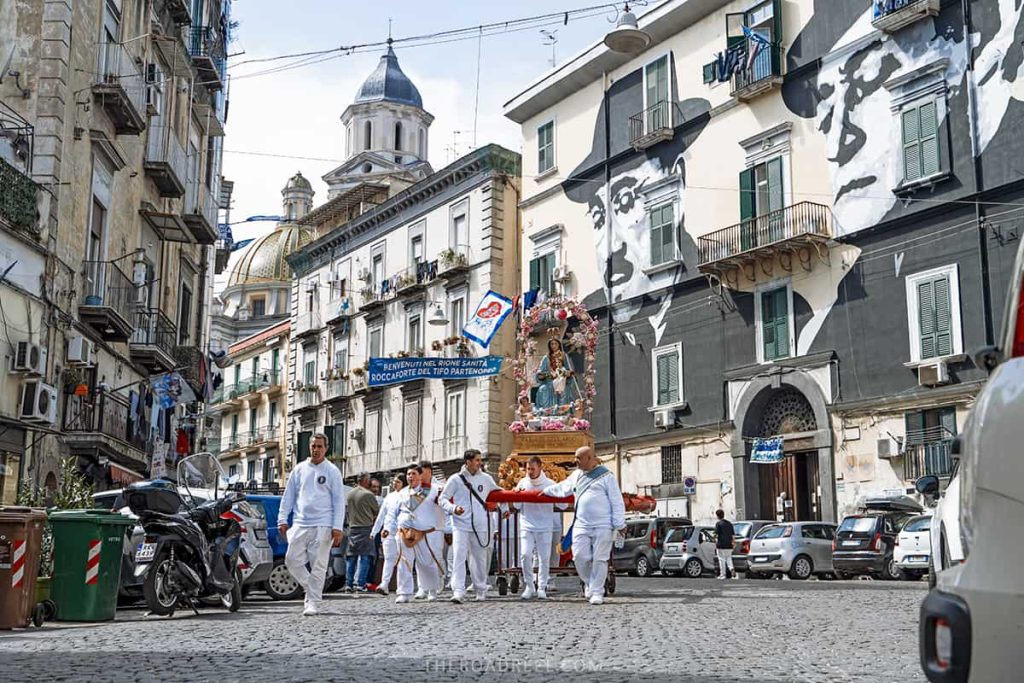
[{"x": 190, "y": 551}]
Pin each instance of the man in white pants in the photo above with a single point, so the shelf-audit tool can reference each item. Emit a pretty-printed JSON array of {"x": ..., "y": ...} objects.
[
  {"x": 464, "y": 497},
  {"x": 535, "y": 532},
  {"x": 416, "y": 517},
  {"x": 600, "y": 514},
  {"x": 388, "y": 535},
  {"x": 429, "y": 482},
  {"x": 315, "y": 498}
]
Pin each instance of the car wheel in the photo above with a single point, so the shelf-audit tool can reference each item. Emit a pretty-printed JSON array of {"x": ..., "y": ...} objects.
[
  {"x": 932, "y": 579},
  {"x": 281, "y": 585},
  {"x": 801, "y": 568},
  {"x": 693, "y": 568},
  {"x": 891, "y": 571},
  {"x": 643, "y": 567}
]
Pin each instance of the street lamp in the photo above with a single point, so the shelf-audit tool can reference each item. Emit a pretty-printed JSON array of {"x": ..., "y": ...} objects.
[
  {"x": 438, "y": 317},
  {"x": 627, "y": 37}
]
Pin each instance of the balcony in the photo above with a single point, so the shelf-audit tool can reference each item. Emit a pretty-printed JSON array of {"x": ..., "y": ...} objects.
[
  {"x": 107, "y": 300},
  {"x": 222, "y": 255},
  {"x": 338, "y": 310},
  {"x": 652, "y": 125},
  {"x": 101, "y": 425},
  {"x": 180, "y": 11},
  {"x": 310, "y": 322},
  {"x": 266, "y": 437},
  {"x": 338, "y": 389},
  {"x": 449, "y": 448},
  {"x": 892, "y": 15},
  {"x": 454, "y": 263},
  {"x": 372, "y": 298},
  {"x": 803, "y": 230},
  {"x": 399, "y": 457},
  {"x": 415, "y": 278},
  {"x": 200, "y": 213},
  {"x": 207, "y": 52},
  {"x": 18, "y": 194},
  {"x": 248, "y": 385},
  {"x": 307, "y": 398},
  {"x": 165, "y": 161},
  {"x": 152, "y": 343},
  {"x": 269, "y": 382},
  {"x": 764, "y": 74},
  {"x": 120, "y": 90},
  {"x": 927, "y": 458}
]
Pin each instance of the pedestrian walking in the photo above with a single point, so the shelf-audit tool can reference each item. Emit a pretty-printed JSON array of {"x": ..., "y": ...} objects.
[
  {"x": 361, "y": 555},
  {"x": 600, "y": 515},
  {"x": 535, "y": 532},
  {"x": 388, "y": 535},
  {"x": 437, "y": 536},
  {"x": 416, "y": 517},
  {"x": 314, "y": 497},
  {"x": 725, "y": 534},
  {"x": 465, "y": 497}
]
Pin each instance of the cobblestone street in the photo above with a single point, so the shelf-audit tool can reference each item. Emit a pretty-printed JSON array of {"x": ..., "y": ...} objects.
[{"x": 655, "y": 629}]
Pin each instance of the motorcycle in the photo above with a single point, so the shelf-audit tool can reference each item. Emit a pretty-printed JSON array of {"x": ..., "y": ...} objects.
[{"x": 190, "y": 551}]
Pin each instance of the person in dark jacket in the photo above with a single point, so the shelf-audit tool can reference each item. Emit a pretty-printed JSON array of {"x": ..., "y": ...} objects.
[{"x": 723, "y": 545}]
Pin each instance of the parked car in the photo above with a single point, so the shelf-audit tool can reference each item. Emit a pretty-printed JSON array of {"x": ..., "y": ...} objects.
[
  {"x": 972, "y": 622},
  {"x": 913, "y": 548},
  {"x": 745, "y": 531},
  {"x": 865, "y": 542},
  {"x": 641, "y": 553},
  {"x": 799, "y": 549},
  {"x": 689, "y": 551},
  {"x": 945, "y": 545},
  {"x": 280, "y": 584}
]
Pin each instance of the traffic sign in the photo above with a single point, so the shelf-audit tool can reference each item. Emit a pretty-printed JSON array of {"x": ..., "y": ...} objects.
[{"x": 689, "y": 486}]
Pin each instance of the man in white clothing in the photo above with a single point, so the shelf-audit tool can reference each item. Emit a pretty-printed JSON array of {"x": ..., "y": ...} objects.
[
  {"x": 388, "y": 535},
  {"x": 600, "y": 514},
  {"x": 535, "y": 532},
  {"x": 416, "y": 518},
  {"x": 465, "y": 497},
  {"x": 315, "y": 498}
]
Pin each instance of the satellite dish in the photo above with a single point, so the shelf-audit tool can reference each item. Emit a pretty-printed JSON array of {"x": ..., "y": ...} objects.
[{"x": 627, "y": 37}]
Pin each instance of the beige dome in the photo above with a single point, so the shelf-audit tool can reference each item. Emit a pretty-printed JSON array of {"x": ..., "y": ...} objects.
[{"x": 263, "y": 261}]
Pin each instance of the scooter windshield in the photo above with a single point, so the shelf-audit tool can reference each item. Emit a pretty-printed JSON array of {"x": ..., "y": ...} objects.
[{"x": 200, "y": 473}]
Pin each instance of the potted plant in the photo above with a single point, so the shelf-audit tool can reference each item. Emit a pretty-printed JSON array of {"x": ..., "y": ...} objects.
[
  {"x": 402, "y": 354},
  {"x": 437, "y": 345},
  {"x": 405, "y": 280},
  {"x": 419, "y": 353},
  {"x": 358, "y": 371}
]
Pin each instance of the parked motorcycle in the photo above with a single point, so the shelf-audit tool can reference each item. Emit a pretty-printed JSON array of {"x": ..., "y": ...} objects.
[{"x": 190, "y": 551}]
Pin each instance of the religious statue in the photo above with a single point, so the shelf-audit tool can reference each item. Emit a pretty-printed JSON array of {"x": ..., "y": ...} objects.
[{"x": 553, "y": 376}]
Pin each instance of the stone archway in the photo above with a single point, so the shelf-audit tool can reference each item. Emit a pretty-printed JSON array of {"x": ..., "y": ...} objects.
[{"x": 791, "y": 405}]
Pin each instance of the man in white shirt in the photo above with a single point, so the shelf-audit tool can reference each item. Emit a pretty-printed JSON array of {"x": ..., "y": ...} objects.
[
  {"x": 315, "y": 497},
  {"x": 389, "y": 540},
  {"x": 535, "y": 532},
  {"x": 465, "y": 497},
  {"x": 416, "y": 517},
  {"x": 600, "y": 514}
]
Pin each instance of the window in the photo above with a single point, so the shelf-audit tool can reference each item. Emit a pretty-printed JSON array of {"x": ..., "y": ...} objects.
[
  {"x": 919, "y": 124},
  {"x": 762, "y": 194},
  {"x": 414, "y": 333},
  {"x": 110, "y": 37},
  {"x": 275, "y": 360},
  {"x": 667, "y": 368},
  {"x": 455, "y": 415},
  {"x": 542, "y": 273},
  {"x": 671, "y": 464},
  {"x": 234, "y": 428},
  {"x": 377, "y": 268},
  {"x": 272, "y": 416},
  {"x": 255, "y": 368},
  {"x": 253, "y": 420},
  {"x": 416, "y": 247},
  {"x": 423, "y": 144},
  {"x": 636, "y": 530},
  {"x": 259, "y": 306},
  {"x": 371, "y": 432},
  {"x": 341, "y": 353},
  {"x": 656, "y": 84},
  {"x": 97, "y": 230},
  {"x": 398, "y": 138},
  {"x": 457, "y": 316},
  {"x": 302, "y": 446},
  {"x": 546, "y": 147},
  {"x": 460, "y": 227},
  {"x": 368, "y": 135},
  {"x": 250, "y": 470},
  {"x": 309, "y": 367},
  {"x": 232, "y": 470},
  {"x": 774, "y": 324},
  {"x": 376, "y": 341},
  {"x": 184, "y": 315},
  {"x": 929, "y": 436},
  {"x": 663, "y": 234},
  {"x": 340, "y": 436},
  {"x": 411, "y": 411},
  {"x": 933, "y": 303},
  {"x": 238, "y": 375}
]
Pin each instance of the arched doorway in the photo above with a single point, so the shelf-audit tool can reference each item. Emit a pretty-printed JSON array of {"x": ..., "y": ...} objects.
[{"x": 789, "y": 488}]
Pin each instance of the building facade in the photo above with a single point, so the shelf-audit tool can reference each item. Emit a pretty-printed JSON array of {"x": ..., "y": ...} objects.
[
  {"x": 121, "y": 108},
  {"x": 801, "y": 229}
]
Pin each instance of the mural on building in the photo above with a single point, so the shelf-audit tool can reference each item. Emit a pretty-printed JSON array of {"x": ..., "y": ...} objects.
[{"x": 854, "y": 97}]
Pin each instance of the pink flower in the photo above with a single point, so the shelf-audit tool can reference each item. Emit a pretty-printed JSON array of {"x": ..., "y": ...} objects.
[
  {"x": 553, "y": 426},
  {"x": 581, "y": 425},
  {"x": 517, "y": 427}
]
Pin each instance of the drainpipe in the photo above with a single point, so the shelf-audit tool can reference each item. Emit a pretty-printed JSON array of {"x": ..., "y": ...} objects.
[
  {"x": 979, "y": 212},
  {"x": 608, "y": 259}
]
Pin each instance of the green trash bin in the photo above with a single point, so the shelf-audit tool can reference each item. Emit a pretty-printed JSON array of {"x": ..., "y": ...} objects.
[{"x": 87, "y": 547}]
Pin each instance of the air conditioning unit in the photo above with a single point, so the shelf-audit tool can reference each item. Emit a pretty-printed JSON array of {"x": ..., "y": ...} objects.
[
  {"x": 933, "y": 375},
  {"x": 154, "y": 89},
  {"x": 890, "y": 447},
  {"x": 664, "y": 419},
  {"x": 561, "y": 274},
  {"x": 81, "y": 352},
  {"x": 365, "y": 275},
  {"x": 29, "y": 358},
  {"x": 38, "y": 402}
]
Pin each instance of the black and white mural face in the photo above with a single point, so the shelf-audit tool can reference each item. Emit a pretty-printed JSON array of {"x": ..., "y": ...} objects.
[{"x": 858, "y": 115}]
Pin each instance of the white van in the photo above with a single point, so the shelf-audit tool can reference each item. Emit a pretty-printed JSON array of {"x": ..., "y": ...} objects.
[{"x": 972, "y": 622}]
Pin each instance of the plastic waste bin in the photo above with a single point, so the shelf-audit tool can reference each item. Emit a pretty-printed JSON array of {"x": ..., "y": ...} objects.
[
  {"x": 21, "y": 537},
  {"x": 87, "y": 547}
]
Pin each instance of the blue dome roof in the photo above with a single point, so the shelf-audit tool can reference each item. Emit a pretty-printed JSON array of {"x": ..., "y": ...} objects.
[{"x": 389, "y": 84}]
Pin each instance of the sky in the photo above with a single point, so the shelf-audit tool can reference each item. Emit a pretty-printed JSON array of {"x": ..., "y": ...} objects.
[{"x": 296, "y": 113}]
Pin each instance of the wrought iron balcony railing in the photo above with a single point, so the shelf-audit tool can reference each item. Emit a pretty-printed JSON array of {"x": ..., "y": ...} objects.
[
  {"x": 652, "y": 125},
  {"x": 928, "y": 458},
  {"x": 18, "y": 195},
  {"x": 155, "y": 330},
  {"x": 104, "y": 413},
  {"x": 106, "y": 287},
  {"x": 120, "y": 88},
  {"x": 793, "y": 222},
  {"x": 764, "y": 71},
  {"x": 165, "y": 160},
  {"x": 207, "y": 51}
]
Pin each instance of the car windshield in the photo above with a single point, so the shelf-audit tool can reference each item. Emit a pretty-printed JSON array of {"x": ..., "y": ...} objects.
[
  {"x": 858, "y": 524},
  {"x": 742, "y": 529},
  {"x": 104, "y": 501},
  {"x": 774, "y": 531},
  {"x": 923, "y": 523},
  {"x": 679, "y": 534}
]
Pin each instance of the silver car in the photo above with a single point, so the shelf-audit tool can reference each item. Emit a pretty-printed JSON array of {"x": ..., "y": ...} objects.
[
  {"x": 798, "y": 549},
  {"x": 689, "y": 551}
]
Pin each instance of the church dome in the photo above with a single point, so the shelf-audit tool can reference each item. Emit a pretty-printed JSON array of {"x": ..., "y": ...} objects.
[
  {"x": 298, "y": 182},
  {"x": 388, "y": 83},
  {"x": 264, "y": 260}
]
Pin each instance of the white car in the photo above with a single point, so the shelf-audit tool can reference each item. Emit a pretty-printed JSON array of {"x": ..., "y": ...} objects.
[
  {"x": 913, "y": 550},
  {"x": 946, "y": 548},
  {"x": 972, "y": 622}
]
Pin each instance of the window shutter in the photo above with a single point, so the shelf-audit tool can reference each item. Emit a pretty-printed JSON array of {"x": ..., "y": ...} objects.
[
  {"x": 926, "y": 318},
  {"x": 768, "y": 326},
  {"x": 775, "y": 189},
  {"x": 302, "y": 447},
  {"x": 781, "y": 297},
  {"x": 709, "y": 73},
  {"x": 947, "y": 418},
  {"x": 329, "y": 433},
  {"x": 943, "y": 322},
  {"x": 929, "y": 123},
  {"x": 668, "y": 379},
  {"x": 734, "y": 23},
  {"x": 776, "y": 37},
  {"x": 915, "y": 428},
  {"x": 535, "y": 273},
  {"x": 911, "y": 145}
]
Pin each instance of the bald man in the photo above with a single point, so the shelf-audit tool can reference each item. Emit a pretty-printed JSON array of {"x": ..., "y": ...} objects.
[{"x": 600, "y": 514}]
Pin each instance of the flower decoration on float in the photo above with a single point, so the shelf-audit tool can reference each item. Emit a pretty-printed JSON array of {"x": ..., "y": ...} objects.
[{"x": 517, "y": 427}]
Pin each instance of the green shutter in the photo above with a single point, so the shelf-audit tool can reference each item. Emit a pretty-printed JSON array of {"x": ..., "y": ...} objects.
[
  {"x": 929, "y": 123},
  {"x": 275, "y": 359},
  {"x": 943, "y": 321},
  {"x": 535, "y": 273},
  {"x": 775, "y": 185},
  {"x": 775, "y": 323},
  {"x": 911, "y": 145},
  {"x": 947, "y": 418},
  {"x": 915, "y": 428},
  {"x": 734, "y": 23},
  {"x": 710, "y": 73},
  {"x": 302, "y": 448},
  {"x": 776, "y": 37},
  {"x": 329, "y": 433},
  {"x": 926, "y": 317},
  {"x": 668, "y": 379},
  {"x": 748, "y": 210}
]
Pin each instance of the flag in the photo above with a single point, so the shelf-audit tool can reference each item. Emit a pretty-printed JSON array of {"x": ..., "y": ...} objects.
[
  {"x": 490, "y": 314},
  {"x": 755, "y": 37},
  {"x": 238, "y": 245},
  {"x": 171, "y": 389}
]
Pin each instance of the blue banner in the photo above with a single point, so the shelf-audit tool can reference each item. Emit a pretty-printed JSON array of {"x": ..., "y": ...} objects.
[
  {"x": 395, "y": 370},
  {"x": 767, "y": 451}
]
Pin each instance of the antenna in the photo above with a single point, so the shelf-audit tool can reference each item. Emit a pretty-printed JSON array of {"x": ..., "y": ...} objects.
[{"x": 550, "y": 38}]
